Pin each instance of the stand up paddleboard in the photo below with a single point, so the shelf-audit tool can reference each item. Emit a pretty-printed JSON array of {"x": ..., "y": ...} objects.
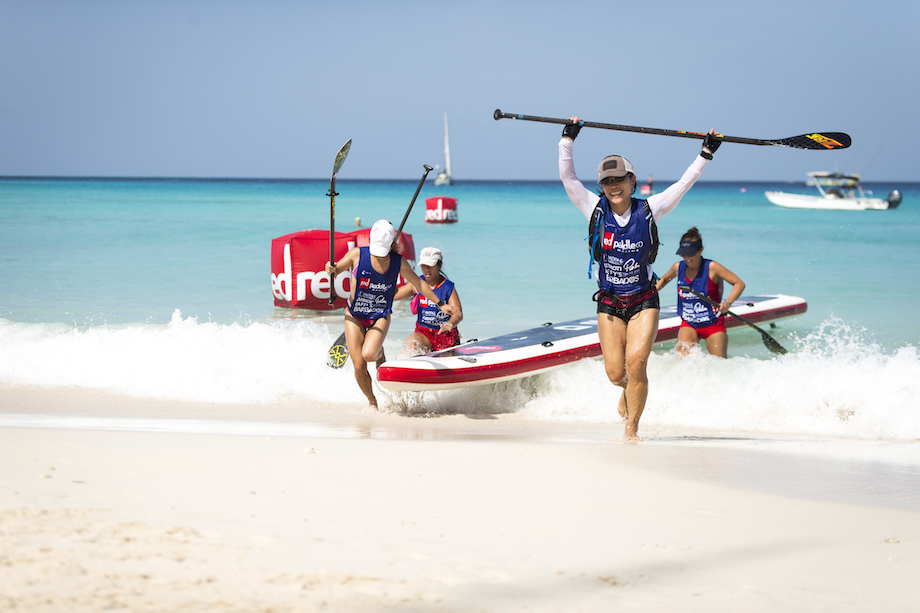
[{"x": 538, "y": 350}]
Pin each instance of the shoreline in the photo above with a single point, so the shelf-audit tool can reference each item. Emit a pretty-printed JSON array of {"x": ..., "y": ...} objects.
[
  {"x": 855, "y": 471},
  {"x": 380, "y": 511}
]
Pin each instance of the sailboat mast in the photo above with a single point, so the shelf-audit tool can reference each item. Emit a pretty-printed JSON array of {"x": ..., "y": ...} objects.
[{"x": 446, "y": 148}]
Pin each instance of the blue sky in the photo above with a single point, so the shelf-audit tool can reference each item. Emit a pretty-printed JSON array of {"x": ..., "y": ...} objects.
[{"x": 273, "y": 89}]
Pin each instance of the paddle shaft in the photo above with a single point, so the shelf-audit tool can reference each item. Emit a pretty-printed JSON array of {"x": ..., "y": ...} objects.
[
  {"x": 772, "y": 341},
  {"x": 332, "y": 195},
  {"x": 818, "y": 141},
  {"x": 417, "y": 190}
]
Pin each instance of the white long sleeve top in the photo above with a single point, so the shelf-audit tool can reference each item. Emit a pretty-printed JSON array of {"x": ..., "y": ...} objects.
[{"x": 661, "y": 204}]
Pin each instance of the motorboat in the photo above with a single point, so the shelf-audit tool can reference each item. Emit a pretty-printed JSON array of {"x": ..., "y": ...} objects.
[
  {"x": 444, "y": 177},
  {"x": 838, "y": 191}
]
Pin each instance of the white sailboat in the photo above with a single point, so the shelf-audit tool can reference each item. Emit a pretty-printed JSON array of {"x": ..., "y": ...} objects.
[{"x": 444, "y": 177}]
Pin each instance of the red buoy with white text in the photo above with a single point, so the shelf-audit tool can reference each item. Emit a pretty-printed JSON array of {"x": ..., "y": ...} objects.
[
  {"x": 298, "y": 262},
  {"x": 441, "y": 209}
]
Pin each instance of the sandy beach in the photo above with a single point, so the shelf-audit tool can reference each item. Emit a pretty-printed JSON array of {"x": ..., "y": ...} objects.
[{"x": 346, "y": 510}]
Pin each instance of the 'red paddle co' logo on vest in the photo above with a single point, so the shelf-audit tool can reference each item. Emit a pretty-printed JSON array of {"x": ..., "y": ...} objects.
[
  {"x": 365, "y": 283},
  {"x": 624, "y": 245},
  {"x": 828, "y": 143}
]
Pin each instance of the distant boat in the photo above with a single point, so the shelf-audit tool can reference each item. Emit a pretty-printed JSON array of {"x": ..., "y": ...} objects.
[
  {"x": 843, "y": 194},
  {"x": 444, "y": 177}
]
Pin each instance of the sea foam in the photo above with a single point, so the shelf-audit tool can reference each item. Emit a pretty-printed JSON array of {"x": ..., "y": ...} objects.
[
  {"x": 182, "y": 360},
  {"x": 833, "y": 382}
]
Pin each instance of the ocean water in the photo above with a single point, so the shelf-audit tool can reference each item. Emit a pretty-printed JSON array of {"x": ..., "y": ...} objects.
[{"x": 161, "y": 289}]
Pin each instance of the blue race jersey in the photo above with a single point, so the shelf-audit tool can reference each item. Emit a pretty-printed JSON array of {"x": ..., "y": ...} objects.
[
  {"x": 429, "y": 315},
  {"x": 373, "y": 290},
  {"x": 624, "y": 262},
  {"x": 693, "y": 310}
]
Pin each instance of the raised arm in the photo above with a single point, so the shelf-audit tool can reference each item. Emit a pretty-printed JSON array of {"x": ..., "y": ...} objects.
[
  {"x": 663, "y": 203},
  {"x": 577, "y": 192}
]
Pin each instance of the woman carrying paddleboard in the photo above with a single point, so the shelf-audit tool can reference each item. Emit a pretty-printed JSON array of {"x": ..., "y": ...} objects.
[
  {"x": 434, "y": 329},
  {"x": 375, "y": 273},
  {"x": 624, "y": 242},
  {"x": 699, "y": 320}
]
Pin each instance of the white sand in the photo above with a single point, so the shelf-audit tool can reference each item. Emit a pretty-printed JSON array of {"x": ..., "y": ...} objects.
[{"x": 447, "y": 514}]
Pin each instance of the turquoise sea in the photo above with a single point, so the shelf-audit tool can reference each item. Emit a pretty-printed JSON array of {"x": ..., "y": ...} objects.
[{"x": 161, "y": 288}]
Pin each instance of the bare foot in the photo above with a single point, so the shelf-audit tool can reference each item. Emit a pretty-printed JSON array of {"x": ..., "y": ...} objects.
[
  {"x": 630, "y": 435},
  {"x": 621, "y": 407}
]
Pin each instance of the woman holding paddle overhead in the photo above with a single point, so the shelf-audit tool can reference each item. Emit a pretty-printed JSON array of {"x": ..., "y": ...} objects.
[
  {"x": 699, "y": 320},
  {"x": 375, "y": 273},
  {"x": 434, "y": 329},
  {"x": 624, "y": 241}
]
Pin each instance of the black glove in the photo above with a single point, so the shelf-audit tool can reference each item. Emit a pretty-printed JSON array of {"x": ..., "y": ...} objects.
[
  {"x": 710, "y": 144},
  {"x": 571, "y": 130}
]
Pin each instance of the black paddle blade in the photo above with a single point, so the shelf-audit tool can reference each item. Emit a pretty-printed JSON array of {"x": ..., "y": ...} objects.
[
  {"x": 816, "y": 140},
  {"x": 771, "y": 344},
  {"x": 338, "y": 353}
]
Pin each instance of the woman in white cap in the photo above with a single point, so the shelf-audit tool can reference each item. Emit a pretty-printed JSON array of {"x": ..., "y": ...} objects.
[
  {"x": 700, "y": 320},
  {"x": 434, "y": 329},
  {"x": 375, "y": 273},
  {"x": 624, "y": 241}
]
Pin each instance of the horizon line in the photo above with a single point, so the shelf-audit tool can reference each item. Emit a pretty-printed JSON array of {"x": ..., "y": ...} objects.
[{"x": 362, "y": 180}]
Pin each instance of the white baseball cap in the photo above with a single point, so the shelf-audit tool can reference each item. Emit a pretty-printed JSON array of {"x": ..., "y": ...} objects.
[
  {"x": 382, "y": 235},
  {"x": 430, "y": 256}
]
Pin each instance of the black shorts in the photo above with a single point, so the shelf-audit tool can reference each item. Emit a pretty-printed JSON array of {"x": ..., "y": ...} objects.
[{"x": 611, "y": 304}]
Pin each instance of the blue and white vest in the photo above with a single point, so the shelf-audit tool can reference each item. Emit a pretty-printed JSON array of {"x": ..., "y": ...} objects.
[
  {"x": 624, "y": 254},
  {"x": 429, "y": 315},
  {"x": 374, "y": 291},
  {"x": 693, "y": 310}
]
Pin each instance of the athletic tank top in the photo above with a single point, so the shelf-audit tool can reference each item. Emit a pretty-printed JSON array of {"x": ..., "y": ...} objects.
[
  {"x": 429, "y": 315},
  {"x": 693, "y": 310},
  {"x": 624, "y": 252},
  {"x": 374, "y": 291}
]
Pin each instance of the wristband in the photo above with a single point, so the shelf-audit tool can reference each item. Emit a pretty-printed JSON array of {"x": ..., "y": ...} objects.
[{"x": 439, "y": 304}]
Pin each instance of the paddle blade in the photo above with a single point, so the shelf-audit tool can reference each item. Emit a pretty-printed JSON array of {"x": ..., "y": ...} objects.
[
  {"x": 338, "y": 353},
  {"x": 772, "y": 345},
  {"x": 816, "y": 140},
  {"x": 340, "y": 157}
]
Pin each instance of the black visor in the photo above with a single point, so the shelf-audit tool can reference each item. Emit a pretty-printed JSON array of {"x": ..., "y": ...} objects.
[{"x": 689, "y": 247}]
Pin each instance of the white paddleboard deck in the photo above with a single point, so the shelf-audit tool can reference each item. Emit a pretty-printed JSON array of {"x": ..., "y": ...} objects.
[{"x": 530, "y": 352}]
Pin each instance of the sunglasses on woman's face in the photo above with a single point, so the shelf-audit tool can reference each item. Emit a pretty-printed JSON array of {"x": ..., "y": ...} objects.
[{"x": 610, "y": 180}]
